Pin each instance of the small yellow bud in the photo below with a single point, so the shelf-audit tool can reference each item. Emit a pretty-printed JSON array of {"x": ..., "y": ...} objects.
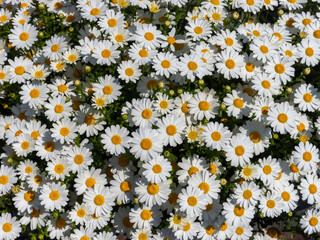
[
  {"x": 223, "y": 106},
  {"x": 280, "y": 12},
  {"x": 235, "y": 15},
  {"x": 201, "y": 82},
  {"x": 223, "y": 181},
  {"x": 171, "y": 92},
  {"x": 288, "y": 90},
  {"x": 15, "y": 189},
  {"x": 167, "y": 23},
  {"x": 179, "y": 91},
  {"x": 162, "y": 84},
  {"x": 87, "y": 68},
  {"x": 77, "y": 83},
  {"x": 306, "y": 71}
]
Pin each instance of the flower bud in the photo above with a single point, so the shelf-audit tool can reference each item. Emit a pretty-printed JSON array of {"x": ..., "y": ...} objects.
[
  {"x": 288, "y": 90},
  {"x": 201, "y": 82},
  {"x": 77, "y": 83},
  {"x": 171, "y": 92},
  {"x": 223, "y": 106},
  {"x": 179, "y": 91},
  {"x": 235, "y": 15},
  {"x": 223, "y": 181},
  {"x": 61, "y": 15},
  {"x": 306, "y": 71},
  {"x": 41, "y": 6},
  {"x": 280, "y": 12},
  {"x": 162, "y": 84},
  {"x": 55, "y": 215},
  {"x": 125, "y": 116},
  {"x": 87, "y": 68}
]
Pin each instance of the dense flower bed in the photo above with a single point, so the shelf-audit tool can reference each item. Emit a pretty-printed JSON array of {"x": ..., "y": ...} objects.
[{"x": 145, "y": 119}]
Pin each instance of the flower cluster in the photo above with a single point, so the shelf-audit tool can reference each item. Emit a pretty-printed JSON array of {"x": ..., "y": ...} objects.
[{"x": 145, "y": 119}]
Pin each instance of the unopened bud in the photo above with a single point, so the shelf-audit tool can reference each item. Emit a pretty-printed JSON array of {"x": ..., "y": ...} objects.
[
  {"x": 77, "y": 83},
  {"x": 306, "y": 71},
  {"x": 235, "y": 15}
]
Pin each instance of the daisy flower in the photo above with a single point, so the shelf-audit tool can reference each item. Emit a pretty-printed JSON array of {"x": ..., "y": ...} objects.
[
  {"x": 207, "y": 183},
  {"x": 268, "y": 170},
  {"x": 203, "y": 105},
  {"x": 25, "y": 168},
  {"x": 85, "y": 233},
  {"x": 108, "y": 86},
  {"x": 228, "y": 40},
  {"x": 157, "y": 169},
  {"x": 111, "y": 21},
  {"x": 271, "y": 205},
  {"x": 19, "y": 70},
  {"x": 252, "y": 6},
  {"x": 58, "y": 168},
  {"x": 310, "y": 188},
  {"x": 60, "y": 86},
  {"x": 88, "y": 120},
  {"x": 258, "y": 134},
  {"x": 26, "y": 200},
  {"x": 148, "y": 35},
  {"x": 310, "y": 221},
  {"x": 53, "y": 196},
  {"x": 120, "y": 36},
  {"x": 39, "y": 72},
  {"x": 236, "y": 215},
  {"x": 171, "y": 128},
  {"x": 88, "y": 179},
  {"x": 37, "y": 218},
  {"x": 23, "y": 145},
  {"x": 216, "y": 136},
  {"x": 263, "y": 49},
  {"x": 9, "y": 227},
  {"x": 105, "y": 53},
  {"x": 140, "y": 54},
  {"x": 290, "y": 197},
  {"x": 55, "y": 47},
  {"x": 59, "y": 227},
  {"x": 23, "y": 36},
  {"x": 308, "y": 51},
  {"x": 189, "y": 230},
  {"x": 115, "y": 140},
  {"x": 306, "y": 156},
  {"x": 191, "y": 66},
  {"x": 189, "y": 166},
  {"x": 240, "y": 150},
  {"x": 152, "y": 193},
  {"x": 247, "y": 194},
  {"x": 79, "y": 158},
  {"x": 163, "y": 104},
  {"x": 71, "y": 56},
  {"x": 7, "y": 179},
  {"x": 198, "y": 29},
  {"x": 237, "y": 104},
  {"x": 146, "y": 144},
  {"x": 280, "y": 69},
  {"x": 145, "y": 217},
  {"x": 122, "y": 186},
  {"x": 100, "y": 198},
  {"x": 129, "y": 71},
  {"x": 58, "y": 108},
  {"x": 93, "y": 11},
  {"x": 143, "y": 114},
  {"x": 64, "y": 131},
  {"x": 308, "y": 97},
  {"x": 34, "y": 94},
  {"x": 265, "y": 85},
  {"x": 165, "y": 64},
  {"x": 229, "y": 63},
  {"x": 121, "y": 221},
  {"x": 192, "y": 201},
  {"x": 242, "y": 232}
]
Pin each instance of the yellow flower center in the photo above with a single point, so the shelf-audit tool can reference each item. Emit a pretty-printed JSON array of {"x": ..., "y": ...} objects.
[
  {"x": 54, "y": 195},
  {"x": 238, "y": 103},
  {"x": 171, "y": 40},
  {"x": 146, "y": 144},
  {"x": 25, "y": 145},
  {"x": 89, "y": 119},
  {"x": 216, "y": 136},
  {"x": 271, "y": 203},
  {"x": 106, "y": 53},
  {"x": 229, "y": 41},
  {"x": 95, "y": 11},
  {"x": 210, "y": 230},
  {"x": 279, "y": 68},
  {"x": 238, "y": 211},
  {"x": 205, "y": 187},
  {"x": 249, "y": 67},
  {"x": 78, "y": 159},
  {"x": 7, "y": 227},
  {"x": 149, "y": 36},
  {"x": 61, "y": 223},
  {"x": 64, "y": 131},
  {"x": 126, "y": 222},
  {"x": 59, "y": 168},
  {"x": 265, "y": 84},
  {"x": 267, "y": 169},
  {"x": 313, "y": 221},
  {"x": 307, "y": 97},
  {"x": 192, "y": 66},
  {"x": 282, "y": 117},
  {"x": 165, "y": 64},
  {"x": 198, "y": 30},
  {"x": 247, "y": 194},
  {"x": 129, "y": 72},
  {"x": 239, "y": 230},
  {"x": 143, "y": 53},
  {"x": 90, "y": 182},
  {"x": 309, "y": 52},
  {"x": 316, "y": 33},
  {"x": 145, "y": 214},
  {"x": 306, "y": 21},
  {"x": 313, "y": 188},
  {"x": 116, "y": 139},
  {"x": 125, "y": 186},
  {"x": 58, "y": 108},
  {"x": 230, "y": 64},
  {"x": 307, "y": 156},
  {"x": 285, "y": 196},
  {"x": 193, "y": 170},
  {"x": 99, "y": 200},
  {"x": 157, "y": 168},
  {"x": 171, "y": 130},
  {"x": 239, "y": 150},
  {"x": 192, "y": 201},
  {"x": 153, "y": 189},
  {"x": 34, "y": 93},
  {"x": 255, "y": 137},
  {"x": 29, "y": 196},
  {"x": 24, "y": 36},
  {"x": 49, "y": 146},
  {"x": 264, "y": 49},
  {"x": 112, "y": 22},
  {"x": 204, "y": 106},
  {"x": 55, "y": 48},
  {"x": 62, "y": 88}
]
